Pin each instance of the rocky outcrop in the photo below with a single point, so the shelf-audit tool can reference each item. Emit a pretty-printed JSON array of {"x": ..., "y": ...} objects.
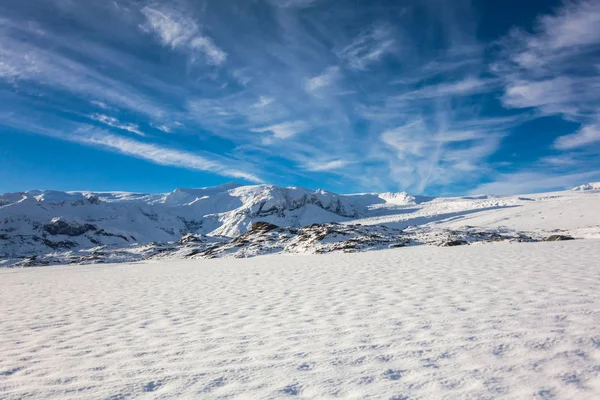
[
  {"x": 452, "y": 243},
  {"x": 61, "y": 227},
  {"x": 261, "y": 226},
  {"x": 189, "y": 238},
  {"x": 266, "y": 238},
  {"x": 557, "y": 238}
]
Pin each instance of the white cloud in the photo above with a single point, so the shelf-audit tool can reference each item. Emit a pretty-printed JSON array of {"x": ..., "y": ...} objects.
[
  {"x": 263, "y": 102},
  {"x": 28, "y": 61},
  {"x": 427, "y": 153},
  {"x": 561, "y": 160},
  {"x": 416, "y": 136},
  {"x": 172, "y": 30},
  {"x": 115, "y": 123},
  {"x": 235, "y": 117},
  {"x": 552, "y": 96},
  {"x": 552, "y": 69},
  {"x": 587, "y": 135},
  {"x": 570, "y": 32},
  {"x": 293, "y": 3},
  {"x": 421, "y": 133},
  {"x": 179, "y": 31},
  {"x": 328, "y": 77},
  {"x": 100, "y": 104},
  {"x": 367, "y": 48},
  {"x": 163, "y": 128},
  {"x": 160, "y": 155},
  {"x": 465, "y": 87},
  {"x": 326, "y": 166},
  {"x": 575, "y": 25},
  {"x": 213, "y": 54},
  {"x": 85, "y": 134},
  {"x": 284, "y": 130}
]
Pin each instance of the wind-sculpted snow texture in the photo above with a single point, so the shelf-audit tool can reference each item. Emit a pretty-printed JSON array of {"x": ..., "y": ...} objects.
[
  {"x": 49, "y": 227},
  {"x": 500, "y": 321}
]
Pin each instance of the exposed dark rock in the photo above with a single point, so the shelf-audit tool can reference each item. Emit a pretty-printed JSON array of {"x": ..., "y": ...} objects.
[
  {"x": 556, "y": 238},
  {"x": 525, "y": 238},
  {"x": 88, "y": 200},
  {"x": 189, "y": 238},
  {"x": 267, "y": 208},
  {"x": 65, "y": 244},
  {"x": 262, "y": 226},
  {"x": 95, "y": 241},
  {"x": 93, "y": 199},
  {"x": 452, "y": 243},
  {"x": 191, "y": 226},
  {"x": 170, "y": 231},
  {"x": 102, "y": 232},
  {"x": 193, "y": 253},
  {"x": 60, "y": 227},
  {"x": 150, "y": 216}
]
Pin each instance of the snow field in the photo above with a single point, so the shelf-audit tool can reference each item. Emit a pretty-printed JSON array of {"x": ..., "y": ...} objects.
[{"x": 494, "y": 321}]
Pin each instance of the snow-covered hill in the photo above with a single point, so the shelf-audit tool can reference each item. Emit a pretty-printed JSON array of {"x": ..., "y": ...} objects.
[{"x": 87, "y": 226}]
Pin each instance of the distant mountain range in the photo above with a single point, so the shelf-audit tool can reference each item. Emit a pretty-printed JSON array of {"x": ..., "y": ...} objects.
[{"x": 38, "y": 223}]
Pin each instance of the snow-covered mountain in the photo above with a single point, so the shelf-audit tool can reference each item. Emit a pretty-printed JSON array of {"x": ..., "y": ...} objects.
[
  {"x": 588, "y": 186},
  {"x": 43, "y": 223},
  {"x": 36, "y": 221}
]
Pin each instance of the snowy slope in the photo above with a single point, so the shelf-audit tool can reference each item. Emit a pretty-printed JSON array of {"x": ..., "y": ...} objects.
[
  {"x": 572, "y": 212},
  {"x": 59, "y": 227},
  {"x": 500, "y": 321}
]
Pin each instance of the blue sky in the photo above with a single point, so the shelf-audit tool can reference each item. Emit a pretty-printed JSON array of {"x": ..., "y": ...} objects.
[{"x": 428, "y": 96}]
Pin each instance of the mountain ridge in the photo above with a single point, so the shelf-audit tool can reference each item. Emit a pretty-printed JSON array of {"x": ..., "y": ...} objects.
[{"x": 41, "y": 222}]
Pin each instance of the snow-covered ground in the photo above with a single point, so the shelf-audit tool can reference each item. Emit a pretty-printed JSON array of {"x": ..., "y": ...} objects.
[{"x": 501, "y": 320}]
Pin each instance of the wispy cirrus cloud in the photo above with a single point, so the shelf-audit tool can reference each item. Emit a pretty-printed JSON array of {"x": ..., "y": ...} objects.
[
  {"x": 387, "y": 96},
  {"x": 284, "y": 130},
  {"x": 464, "y": 87},
  {"x": 178, "y": 31},
  {"x": 153, "y": 152},
  {"x": 429, "y": 154},
  {"x": 370, "y": 46},
  {"x": 327, "y": 165},
  {"x": 329, "y": 76},
  {"x": 171, "y": 30},
  {"x": 47, "y": 61},
  {"x": 115, "y": 123},
  {"x": 552, "y": 69},
  {"x": 160, "y": 154},
  {"x": 587, "y": 135},
  {"x": 294, "y": 3}
]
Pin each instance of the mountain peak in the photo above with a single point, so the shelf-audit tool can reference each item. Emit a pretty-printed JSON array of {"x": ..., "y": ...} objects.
[{"x": 588, "y": 186}]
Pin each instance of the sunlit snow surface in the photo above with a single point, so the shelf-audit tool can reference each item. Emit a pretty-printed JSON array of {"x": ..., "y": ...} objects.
[{"x": 500, "y": 320}]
